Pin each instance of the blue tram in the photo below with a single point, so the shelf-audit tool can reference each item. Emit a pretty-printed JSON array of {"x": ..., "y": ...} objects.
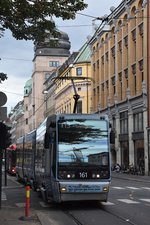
[{"x": 67, "y": 158}]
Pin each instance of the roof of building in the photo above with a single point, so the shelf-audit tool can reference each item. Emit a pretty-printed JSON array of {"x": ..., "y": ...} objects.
[
  {"x": 54, "y": 46},
  {"x": 28, "y": 87},
  {"x": 84, "y": 54}
]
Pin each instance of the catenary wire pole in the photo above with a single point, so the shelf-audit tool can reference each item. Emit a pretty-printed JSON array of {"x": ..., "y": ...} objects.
[{"x": 72, "y": 78}]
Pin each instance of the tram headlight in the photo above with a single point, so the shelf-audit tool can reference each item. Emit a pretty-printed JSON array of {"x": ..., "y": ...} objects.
[
  {"x": 96, "y": 176},
  {"x": 63, "y": 189},
  {"x": 105, "y": 189},
  {"x": 65, "y": 175},
  {"x": 68, "y": 176}
]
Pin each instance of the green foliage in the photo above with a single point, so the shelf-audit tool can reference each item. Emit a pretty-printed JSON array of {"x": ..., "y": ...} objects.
[
  {"x": 3, "y": 77},
  {"x": 29, "y": 19}
]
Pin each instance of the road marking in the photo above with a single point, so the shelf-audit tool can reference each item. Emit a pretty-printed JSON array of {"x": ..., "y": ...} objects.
[
  {"x": 145, "y": 199},
  {"x": 107, "y": 203},
  {"x": 20, "y": 205},
  {"x": 13, "y": 187},
  {"x": 128, "y": 201},
  {"x": 44, "y": 204},
  {"x": 133, "y": 188},
  {"x": 146, "y": 188},
  {"x": 118, "y": 188},
  {"x": 4, "y": 198}
]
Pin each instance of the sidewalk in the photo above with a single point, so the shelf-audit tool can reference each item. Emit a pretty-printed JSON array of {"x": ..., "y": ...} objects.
[
  {"x": 11, "y": 214},
  {"x": 138, "y": 178}
]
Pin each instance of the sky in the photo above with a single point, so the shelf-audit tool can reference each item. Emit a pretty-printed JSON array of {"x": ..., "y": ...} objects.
[{"x": 16, "y": 56}]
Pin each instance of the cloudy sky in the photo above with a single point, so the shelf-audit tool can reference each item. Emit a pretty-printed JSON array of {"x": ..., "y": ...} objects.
[{"x": 16, "y": 56}]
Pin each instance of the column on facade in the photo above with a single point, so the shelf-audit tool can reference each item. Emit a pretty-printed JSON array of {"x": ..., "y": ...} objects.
[
  {"x": 130, "y": 130},
  {"x": 117, "y": 143}
]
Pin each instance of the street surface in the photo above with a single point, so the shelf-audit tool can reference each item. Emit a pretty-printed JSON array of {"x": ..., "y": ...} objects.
[{"x": 128, "y": 203}]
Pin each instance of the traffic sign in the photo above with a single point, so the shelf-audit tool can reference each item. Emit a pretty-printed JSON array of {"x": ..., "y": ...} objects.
[{"x": 3, "y": 98}]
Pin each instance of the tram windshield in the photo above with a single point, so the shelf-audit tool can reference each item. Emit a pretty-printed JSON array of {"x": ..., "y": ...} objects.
[{"x": 83, "y": 143}]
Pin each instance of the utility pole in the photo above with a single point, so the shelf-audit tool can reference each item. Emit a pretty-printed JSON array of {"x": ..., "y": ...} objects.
[
  {"x": 3, "y": 100},
  {"x": 72, "y": 78}
]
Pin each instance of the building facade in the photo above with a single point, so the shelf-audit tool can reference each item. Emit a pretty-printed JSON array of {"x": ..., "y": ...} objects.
[
  {"x": 119, "y": 68},
  {"x": 47, "y": 58},
  {"x": 73, "y": 83}
]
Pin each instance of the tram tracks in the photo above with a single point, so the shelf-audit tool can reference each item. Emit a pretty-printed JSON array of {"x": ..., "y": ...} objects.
[{"x": 77, "y": 220}]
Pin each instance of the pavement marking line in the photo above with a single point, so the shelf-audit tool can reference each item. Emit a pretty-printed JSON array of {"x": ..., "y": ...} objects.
[
  {"x": 145, "y": 199},
  {"x": 107, "y": 203},
  {"x": 4, "y": 198},
  {"x": 20, "y": 204},
  {"x": 13, "y": 187},
  {"x": 133, "y": 188},
  {"x": 128, "y": 201},
  {"x": 44, "y": 205},
  {"x": 146, "y": 188},
  {"x": 118, "y": 188}
]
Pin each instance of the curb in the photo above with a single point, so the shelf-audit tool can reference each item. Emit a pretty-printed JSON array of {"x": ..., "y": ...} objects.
[{"x": 137, "y": 179}]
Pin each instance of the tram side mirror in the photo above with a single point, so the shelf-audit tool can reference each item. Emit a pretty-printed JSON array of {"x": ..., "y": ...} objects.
[
  {"x": 112, "y": 137},
  {"x": 46, "y": 140}
]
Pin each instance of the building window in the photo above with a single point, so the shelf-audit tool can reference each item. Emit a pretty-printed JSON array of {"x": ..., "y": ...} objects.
[
  {"x": 98, "y": 64},
  {"x": 107, "y": 84},
  {"x": 124, "y": 122},
  {"x": 93, "y": 66},
  {"x": 141, "y": 28},
  {"x": 138, "y": 122},
  {"x": 106, "y": 56},
  {"x": 126, "y": 41},
  {"x": 134, "y": 74},
  {"x": 33, "y": 109},
  {"x": 120, "y": 46},
  {"x": 134, "y": 35},
  {"x": 141, "y": 65},
  {"x": 47, "y": 75},
  {"x": 114, "y": 84},
  {"x": 79, "y": 107},
  {"x": 53, "y": 63},
  {"x": 113, "y": 51},
  {"x": 126, "y": 75},
  {"x": 79, "y": 71},
  {"x": 26, "y": 121},
  {"x": 102, "y": 59},
  {"x": 120, "y": 79}
]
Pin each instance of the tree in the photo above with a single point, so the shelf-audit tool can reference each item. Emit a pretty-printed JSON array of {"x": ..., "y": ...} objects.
[
  {"x": 3, "y": 77},
  {"x": 29, "y": 19}
]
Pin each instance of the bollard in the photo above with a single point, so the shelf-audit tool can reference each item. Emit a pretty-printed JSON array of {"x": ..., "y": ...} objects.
[{"x": 27, "y": 208}]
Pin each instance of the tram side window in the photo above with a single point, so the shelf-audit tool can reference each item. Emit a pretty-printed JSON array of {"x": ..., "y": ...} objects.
[{"x": 46, "y": 140}]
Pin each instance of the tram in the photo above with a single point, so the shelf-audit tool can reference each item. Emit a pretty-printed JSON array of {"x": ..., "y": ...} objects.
[
  {"x": 67, "y": 158},
  {"x": 11, "y": 159}
]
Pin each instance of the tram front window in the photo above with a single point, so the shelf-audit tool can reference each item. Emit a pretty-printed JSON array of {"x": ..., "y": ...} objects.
[{"x": 83, "y": 149}]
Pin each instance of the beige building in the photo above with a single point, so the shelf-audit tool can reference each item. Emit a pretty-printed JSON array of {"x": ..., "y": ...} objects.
[
  {"x": 119, "y": 68},
  {"x": 46, "y": 59},
  {"x": 73, "y": 83}
]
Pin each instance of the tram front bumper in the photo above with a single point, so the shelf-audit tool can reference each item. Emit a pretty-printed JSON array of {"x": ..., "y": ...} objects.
[{"x": 84, "y": 191}]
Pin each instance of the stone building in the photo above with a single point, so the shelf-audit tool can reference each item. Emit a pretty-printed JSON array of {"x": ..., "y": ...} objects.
[
  {"x": 119, "y": 68},
  {"x": 47, "y": 58}
]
